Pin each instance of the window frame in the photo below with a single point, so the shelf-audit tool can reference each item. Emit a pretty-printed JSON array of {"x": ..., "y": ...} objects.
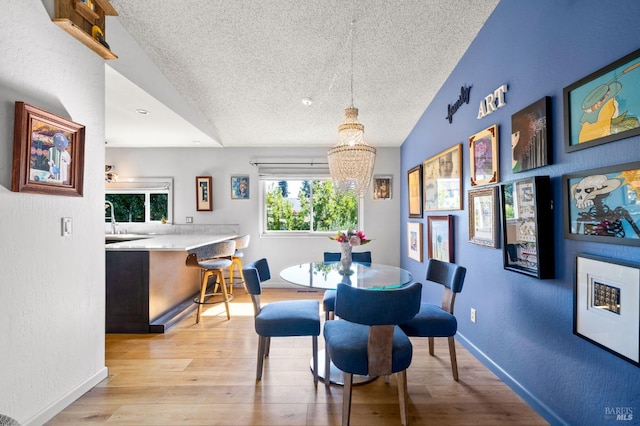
[
  {"x": 146, "y": 186},
  {"x": 297, "y": 234}
]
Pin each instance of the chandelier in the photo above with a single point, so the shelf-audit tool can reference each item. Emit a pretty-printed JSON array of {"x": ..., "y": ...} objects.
[{"x": 351, "y": 160}]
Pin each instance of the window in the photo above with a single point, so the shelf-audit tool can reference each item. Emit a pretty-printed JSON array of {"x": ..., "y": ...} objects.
[
  {"x": 139, "y": 200},
  {"x": 306, "y": 206}
]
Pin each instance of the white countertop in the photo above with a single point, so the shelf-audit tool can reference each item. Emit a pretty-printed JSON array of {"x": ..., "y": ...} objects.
[{"x": 169, "y": 242}]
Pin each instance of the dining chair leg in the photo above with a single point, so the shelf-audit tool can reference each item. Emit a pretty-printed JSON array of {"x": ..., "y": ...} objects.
[
  {"x": 402, "y": 396},
  {"x": 261, "y": 343},
  {"x": 327, "y": 366},
  {"x": 267, "y": 346},
  {"x": 346, "y": 398},
  {"x": 431, "y": 346},
  {"x": 315, "y": 358},
  {"x": 452, "y": 355}
]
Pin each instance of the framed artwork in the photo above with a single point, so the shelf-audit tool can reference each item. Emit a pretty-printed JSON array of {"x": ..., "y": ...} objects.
[
  {"x": 414, "y": 177},
  {"x": 483, "y": 157},
  {"x": 48, "y": 153},
  {"x": 440, "y": 234},
  {"x": 382, "y": 187},
  {"x": 602, "y": 205},
  {"x": 414, "y": 240},
  {"x": 442, "y": 184},
  {"x": 483, "y": 220},
  {"x": 527, "y": 227},
  {"x": 204, "y": 197},
  {"x": 606, "y": 308},
  {"x": 239, "y": 187},
  {"x": 603, "y": 106},
  {"x": 531, "y": 136}
]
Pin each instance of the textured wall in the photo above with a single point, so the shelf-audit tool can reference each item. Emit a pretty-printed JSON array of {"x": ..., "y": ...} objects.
[
  {"x": 52, "y": 288},
  {"x": 524, "y": 326}
]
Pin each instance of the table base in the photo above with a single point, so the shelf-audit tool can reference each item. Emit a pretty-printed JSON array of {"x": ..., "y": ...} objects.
[{"x": 336, "y": 376}]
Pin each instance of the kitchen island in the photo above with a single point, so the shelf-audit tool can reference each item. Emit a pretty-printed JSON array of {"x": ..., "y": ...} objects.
[{"x": 148, "y": 286}]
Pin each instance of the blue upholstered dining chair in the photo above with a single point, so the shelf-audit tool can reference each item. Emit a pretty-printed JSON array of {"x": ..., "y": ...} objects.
[
  {"x": 366, "y": 339},
  {"x": 435, "y": 321},
  {"x": 282, "y": 318},
  {"x": 212, "y": 259},
  {"x": 329, "y": 298}
]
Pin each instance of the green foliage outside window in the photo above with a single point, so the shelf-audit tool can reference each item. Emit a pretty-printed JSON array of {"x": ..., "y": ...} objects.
[{"x": 314, "y": 207}]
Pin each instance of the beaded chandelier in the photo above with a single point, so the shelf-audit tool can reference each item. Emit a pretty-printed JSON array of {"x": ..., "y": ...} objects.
[{"x": 351, "y": 160}]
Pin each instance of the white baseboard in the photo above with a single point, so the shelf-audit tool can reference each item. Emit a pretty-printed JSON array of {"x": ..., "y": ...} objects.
[{"x": 52, "y": 410}]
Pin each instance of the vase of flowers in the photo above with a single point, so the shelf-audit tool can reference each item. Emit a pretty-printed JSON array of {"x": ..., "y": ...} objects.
[{"x": 348, "y": 240}]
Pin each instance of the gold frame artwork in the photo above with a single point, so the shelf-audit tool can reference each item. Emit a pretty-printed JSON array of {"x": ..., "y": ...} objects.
[
  {"x": 483, "y": 157},
  {"x": 442, "y": 183}
]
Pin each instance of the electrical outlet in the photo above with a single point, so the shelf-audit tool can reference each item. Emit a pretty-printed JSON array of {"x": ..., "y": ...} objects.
[
  {"x": 67, "y": 226},
  {"x": 189, "y": 219},
  {"x": 473, "y": 315}
]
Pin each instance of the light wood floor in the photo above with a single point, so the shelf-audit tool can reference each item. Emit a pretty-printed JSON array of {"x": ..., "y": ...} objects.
[{"x": 204, "y": 374}]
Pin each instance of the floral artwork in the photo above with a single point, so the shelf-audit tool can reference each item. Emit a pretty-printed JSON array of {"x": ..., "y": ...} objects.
[
  {"x": 603, "y": 204},
  {"x": 483, "y": 150}
]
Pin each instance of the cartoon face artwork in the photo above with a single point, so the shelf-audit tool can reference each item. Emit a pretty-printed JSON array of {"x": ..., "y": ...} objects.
[{"x": 588, "y": 189}]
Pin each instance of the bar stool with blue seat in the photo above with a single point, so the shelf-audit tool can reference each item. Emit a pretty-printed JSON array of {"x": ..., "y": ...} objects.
[
  {"x": 212, "y": 260},
  {"x": 435, "y": 321},
  {"x": 366, "y": 339},
  {"x": 284, "y": 318},
  {"x": 241, "y": 244},
  {"x": 329, "y": 298}
]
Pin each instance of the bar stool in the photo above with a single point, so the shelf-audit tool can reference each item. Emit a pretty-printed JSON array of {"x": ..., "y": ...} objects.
[
  {"x": 212, "y": 260},
  {"x": 236, "y": 259}
]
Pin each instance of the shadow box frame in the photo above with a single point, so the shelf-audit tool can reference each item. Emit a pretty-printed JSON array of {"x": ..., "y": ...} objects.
[
  {"x": 606, "y": 305},
  {"x": 477, "y": 158},
  {"x": 204, "y": 196},
  {"x": 602, "y": 216},
  {"x": 414, "y": 241},
  {"x": 440, "y": 237},
  {"x": 483, "y": 203},
  {"x": 527, "y": 227},
  {"x": 414, "y": 191},
  {"x": 443, "y": 192},
  {"x": 34, "y": 169},
  {"x": 582, "y": 101}
]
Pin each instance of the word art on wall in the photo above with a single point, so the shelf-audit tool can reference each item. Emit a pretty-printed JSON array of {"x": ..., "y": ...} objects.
[
  {"x": 492, "y": 102},
  {"x": 462, "y": 99}
]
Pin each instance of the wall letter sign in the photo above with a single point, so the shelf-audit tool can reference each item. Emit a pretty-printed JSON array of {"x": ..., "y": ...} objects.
[
  {"x": 463, "y": 99},
  {"x": 489, "y": 105}
]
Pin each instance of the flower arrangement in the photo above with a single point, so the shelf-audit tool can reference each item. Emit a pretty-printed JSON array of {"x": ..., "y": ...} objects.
[{"x": 354, "y": 238}]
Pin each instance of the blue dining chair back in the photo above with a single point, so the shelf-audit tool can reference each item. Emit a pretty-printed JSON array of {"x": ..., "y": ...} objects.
[
  {"x": 280, "y": 319},
  {"x": 329, "y": 298},
  {"x": 366, "y": 339},
  {"x": 439, "y": 321}
]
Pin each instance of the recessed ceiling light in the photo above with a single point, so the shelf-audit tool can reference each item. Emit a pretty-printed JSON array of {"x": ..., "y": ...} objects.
[
  {"x": 142, "y": 111},
  {"x": 196, "y": 142},
  {"x": 307, "y": 101}
]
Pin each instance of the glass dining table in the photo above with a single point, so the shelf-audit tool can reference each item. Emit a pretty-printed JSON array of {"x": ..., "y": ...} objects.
[{"x": 327, "y": 275}]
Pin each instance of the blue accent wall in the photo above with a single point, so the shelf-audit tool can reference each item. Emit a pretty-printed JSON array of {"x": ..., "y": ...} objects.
[{"x": 524, "y": 328}]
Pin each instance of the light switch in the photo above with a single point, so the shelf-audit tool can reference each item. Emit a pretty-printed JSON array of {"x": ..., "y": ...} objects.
[{"x": 67, "y": 226}]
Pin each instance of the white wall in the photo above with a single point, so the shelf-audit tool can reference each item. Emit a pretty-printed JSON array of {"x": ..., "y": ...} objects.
[
  {"x": 52, "y": 288},
  {"x": 381, "y": 217}
]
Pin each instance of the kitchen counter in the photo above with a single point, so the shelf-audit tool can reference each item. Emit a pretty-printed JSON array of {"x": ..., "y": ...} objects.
[
  {"x": 148, "y": 286},
  {"x": 167, "y": 242}
]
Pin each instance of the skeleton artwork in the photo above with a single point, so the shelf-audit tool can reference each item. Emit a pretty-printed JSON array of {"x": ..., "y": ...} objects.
[{"x": 598, "y": 219}]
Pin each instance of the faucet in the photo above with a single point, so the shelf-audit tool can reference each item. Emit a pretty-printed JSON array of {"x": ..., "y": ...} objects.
[{"x": 114, "y": 224}]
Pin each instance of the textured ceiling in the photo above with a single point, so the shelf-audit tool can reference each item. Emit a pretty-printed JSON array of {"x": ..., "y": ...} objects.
[{"x": 246, "y": 65}]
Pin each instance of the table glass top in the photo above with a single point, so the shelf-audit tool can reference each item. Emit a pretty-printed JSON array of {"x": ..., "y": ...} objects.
[{"x": 327, "y": 275}]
